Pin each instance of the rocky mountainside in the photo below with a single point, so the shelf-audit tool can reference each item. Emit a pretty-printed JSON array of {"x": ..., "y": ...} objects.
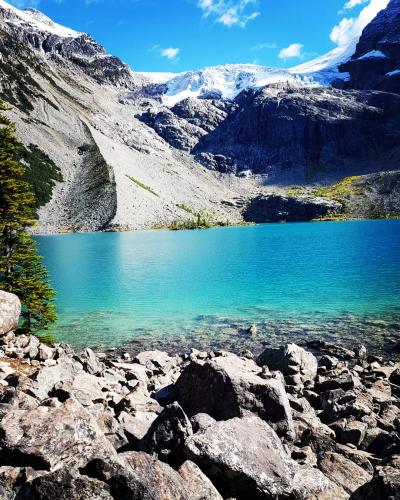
[
  {"x": 139, "y": 151},
  {"x": 376, "y": 61}
]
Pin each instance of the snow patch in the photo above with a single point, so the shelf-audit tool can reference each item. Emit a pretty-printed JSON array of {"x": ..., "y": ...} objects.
[
  {"x": 38, "y": 21},
  {"x": 373, "y": 54},
  {"x": 393, "y": 73}
]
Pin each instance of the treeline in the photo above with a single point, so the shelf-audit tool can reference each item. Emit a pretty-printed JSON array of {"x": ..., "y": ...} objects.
[{"x": 21, "y": 269}]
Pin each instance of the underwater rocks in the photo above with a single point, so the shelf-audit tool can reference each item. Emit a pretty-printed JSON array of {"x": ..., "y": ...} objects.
[{"x": 320, "y": 422}]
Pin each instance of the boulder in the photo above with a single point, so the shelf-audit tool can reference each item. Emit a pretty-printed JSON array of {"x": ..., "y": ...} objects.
[
  {"x": 246, "y": 459},
  {"x": 136, "y": 424},
  {"x": 237, "y": 383},
  {"x": 291, "y": 360},
  {"x": 63, "y": 372},
  {"x": 384, "y": 485},
  {"x": 51, "y": 437},
  {"x": 156, "y": 361},
  {"x": 90, "y": 362},
  {"x": 137, "y": 475},
  {"x": 199, "y": 486},
  {"x": 10, "y": 310},
  {"x": 243, "y": 456},
  {"x": 63, "y": 484},
  {"x": 343, "y": 472},
  {"x": 168, "y": 433}
]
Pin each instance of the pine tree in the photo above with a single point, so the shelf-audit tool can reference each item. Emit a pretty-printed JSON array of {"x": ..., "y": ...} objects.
[{"x": 21, "y": 268}]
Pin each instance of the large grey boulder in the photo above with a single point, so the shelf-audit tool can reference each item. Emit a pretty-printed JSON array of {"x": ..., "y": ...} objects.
[
  {"x": 293, "y": 361},
  {"x": 245, "y": 458},
  {"x": 52, "y": 436},
  {"x": 10, "y": 310},
  {"x": 137, "y": 475},
  {"x": 228, "y": 386}
]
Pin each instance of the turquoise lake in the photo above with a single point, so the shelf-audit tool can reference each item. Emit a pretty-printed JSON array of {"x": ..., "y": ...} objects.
[{"x": 330, "y": 280}]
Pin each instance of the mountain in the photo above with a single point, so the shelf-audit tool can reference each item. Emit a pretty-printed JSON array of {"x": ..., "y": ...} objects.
[
  {"x": 227, "y": 82},
  {"x": 118, "y": 149}
]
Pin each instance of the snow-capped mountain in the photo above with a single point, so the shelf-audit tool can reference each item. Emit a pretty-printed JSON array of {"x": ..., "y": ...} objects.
[
  {"x": 229, "y": 80},
  {"x": 135, "y": 149},
  {"x": 36, "y": 20},
  {"x": 222, "y": 81}
]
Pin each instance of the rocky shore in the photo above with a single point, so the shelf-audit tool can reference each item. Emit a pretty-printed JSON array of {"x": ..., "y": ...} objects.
[{"x": 320, "y": 422}]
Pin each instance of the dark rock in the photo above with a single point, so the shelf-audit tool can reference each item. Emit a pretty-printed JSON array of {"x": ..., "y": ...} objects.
[
  {"x": 395, "y": 377},
  {"x": 136, "y": 475},
  {"x": 384, "y": 485},
  {"x": 235, "y": 381},
  {"x": 279, "y": 208},
  {"x": 167, "y": 434},
  {"x": 62, "y": 484},
  {"x": 380, "y": 36}
]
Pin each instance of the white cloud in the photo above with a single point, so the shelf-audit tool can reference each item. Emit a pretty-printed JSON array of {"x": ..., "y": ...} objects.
[
  {"x": 294, "y": 50},
  {"x": 170, "y": 52},
  {"x": 264, "y": 45},
  {"x": 350, "y": 28},
  {"x": 350, "y": 4},
  {"x": 229, "y": 12}
]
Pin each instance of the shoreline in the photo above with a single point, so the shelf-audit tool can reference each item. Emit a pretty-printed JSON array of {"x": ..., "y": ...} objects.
[
  {"x": 293, "y": 423},
  {"x": 146, "y": 230}
]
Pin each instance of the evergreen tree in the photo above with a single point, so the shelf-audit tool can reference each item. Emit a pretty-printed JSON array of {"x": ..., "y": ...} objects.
[{"x": 21, "y": 268}]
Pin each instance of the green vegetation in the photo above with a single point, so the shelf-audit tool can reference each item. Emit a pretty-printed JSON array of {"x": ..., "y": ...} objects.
[
  {"x": 340, "y": 191},
  {"x": 21, "y": 268},
  {"x": 40, "y": 171},
  {"x": 47, "y": 339},
  {"x": 201, "y": 220},
  {"x": 186, "y": 209},
  {"x": 143, "y": 186}
]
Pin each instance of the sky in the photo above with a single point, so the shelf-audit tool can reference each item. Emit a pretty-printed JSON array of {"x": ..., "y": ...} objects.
[{"x": 179, "y": 35}]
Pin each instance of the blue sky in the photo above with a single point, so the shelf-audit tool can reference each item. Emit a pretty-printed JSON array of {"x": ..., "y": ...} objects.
[{"x": 177, "y": 35}]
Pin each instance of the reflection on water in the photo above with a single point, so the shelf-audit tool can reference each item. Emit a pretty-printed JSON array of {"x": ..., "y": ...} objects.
[{"x": 202, "y": 288}]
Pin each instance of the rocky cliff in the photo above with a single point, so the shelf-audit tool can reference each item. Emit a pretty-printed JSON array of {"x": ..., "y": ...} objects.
[{"x": 376, "y": 61}]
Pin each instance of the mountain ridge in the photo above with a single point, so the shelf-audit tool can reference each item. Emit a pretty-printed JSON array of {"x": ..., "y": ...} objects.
[{"x": 131, "y": 160}]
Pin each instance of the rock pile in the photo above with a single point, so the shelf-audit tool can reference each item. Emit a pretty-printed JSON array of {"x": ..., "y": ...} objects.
[{"x": 300, "y": 424}]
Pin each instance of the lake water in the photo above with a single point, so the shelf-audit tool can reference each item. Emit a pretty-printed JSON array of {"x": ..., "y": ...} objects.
[{"x": 332, "y": 280}]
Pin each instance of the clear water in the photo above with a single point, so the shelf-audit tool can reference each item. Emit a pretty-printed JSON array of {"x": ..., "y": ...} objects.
[{"x": 202, "y": 288}]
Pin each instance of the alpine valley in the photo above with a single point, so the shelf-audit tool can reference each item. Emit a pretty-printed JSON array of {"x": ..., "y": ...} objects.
[{"x": 108, "y": 148}]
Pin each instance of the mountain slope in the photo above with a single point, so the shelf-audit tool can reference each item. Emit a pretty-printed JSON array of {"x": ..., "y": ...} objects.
[
  {"x": 73, "y": 101},
  {"x": 140, "y": 151}
]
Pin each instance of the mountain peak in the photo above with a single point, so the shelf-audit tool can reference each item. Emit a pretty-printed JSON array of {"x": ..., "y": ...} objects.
[{"x": 36, "y": 20}]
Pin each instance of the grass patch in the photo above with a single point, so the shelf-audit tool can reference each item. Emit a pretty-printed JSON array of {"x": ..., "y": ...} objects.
[
  {"x": 143, "y": 186},
  {"x": 186, "y": 209},
  {"x": 340, "y": 191},
  {"x": 47, "y": 339}
]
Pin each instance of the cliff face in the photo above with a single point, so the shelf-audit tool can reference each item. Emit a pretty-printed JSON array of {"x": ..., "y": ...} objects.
[
  {"x": 292, "y": 134},
  {"x": 376, "y": 62}
]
